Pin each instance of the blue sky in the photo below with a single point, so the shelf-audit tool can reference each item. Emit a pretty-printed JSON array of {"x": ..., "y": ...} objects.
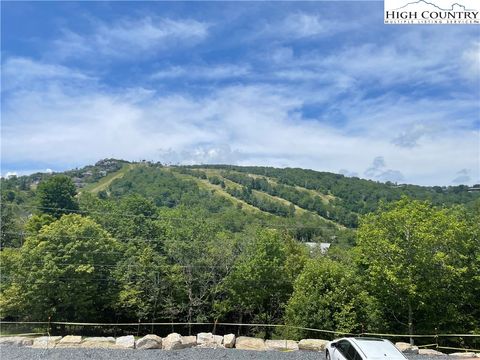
[{"x": 320, "y": 85}]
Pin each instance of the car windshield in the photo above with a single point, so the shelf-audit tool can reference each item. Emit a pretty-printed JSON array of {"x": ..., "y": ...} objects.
[{"x": 373, "y": 348}]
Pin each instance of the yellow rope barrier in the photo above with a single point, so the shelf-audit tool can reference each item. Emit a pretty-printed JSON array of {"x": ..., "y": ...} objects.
[
  {"x": 249, "y": 325},
  {"x": 27, "y": 334},
  {"x": 236, "y": 324},
  {"x": 455, "y": 348}
]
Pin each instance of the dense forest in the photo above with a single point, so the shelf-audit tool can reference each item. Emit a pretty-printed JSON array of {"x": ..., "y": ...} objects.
[{"x": 123, "y": 241}]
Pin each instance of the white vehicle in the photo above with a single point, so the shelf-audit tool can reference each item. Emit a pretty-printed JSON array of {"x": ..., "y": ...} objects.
[{"x": 361, "y": 349}]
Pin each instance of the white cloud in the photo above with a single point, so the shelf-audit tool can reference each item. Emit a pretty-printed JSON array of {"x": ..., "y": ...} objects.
[
  {"x": 379, "y": 171},
  {"x": 260, "y": 124},
  {"x": 205, "y": 154},
  {"x": 131, "y": 38},
  {"x": 243, "y": 124},
  {"x": 348, "y": 173},
  {"x": 462, "y": 177},
  {"x": 214, "y": 72},
  {"x": 302, "y": 25},
  {"x": 471, "y": 57},
  {"x": 412, "y": 58},
  {"x": 11, "y": 174},
  {"x": 410, "y": 137},
  {"x": 24, "y": 72}
]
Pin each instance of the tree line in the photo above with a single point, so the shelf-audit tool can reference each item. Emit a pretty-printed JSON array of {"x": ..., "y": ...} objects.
[{"x": 130, "y": 256}]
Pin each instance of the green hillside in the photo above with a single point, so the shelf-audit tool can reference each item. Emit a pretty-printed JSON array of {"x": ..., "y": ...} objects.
[
  {"x": 120, "y": 241},
  {"x": 311, "y": 205}
]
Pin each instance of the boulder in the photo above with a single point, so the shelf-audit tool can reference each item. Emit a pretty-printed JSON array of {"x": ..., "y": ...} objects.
[
  {"x": 189, "y": 341},
  {"x": 204, "y": 338},
  {"x": 125, "y": 342},
  {"x": 281, "y": 345},
  {"x": 16, "y": 341},
  {"x": 406, "y": 348},
  {"x": 69, "y": 341},
  {"x": 149, "y": 342},
  {"x": 172, "y": 342},
  {"x": 249, "y": 343},
  {"x": 429, "y": 352},
  {"x": 209, "y": 340},
  {"x": 312, "y": 344},
  {"x": 46, "y": 342},
  {"x": 229, "y": 341},
  {"x": 99, "y": 343},
  {"x": 464, "y": 354}
]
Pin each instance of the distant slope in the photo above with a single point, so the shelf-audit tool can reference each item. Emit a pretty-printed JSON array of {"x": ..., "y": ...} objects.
[
  {"x": 105, "y": 182},
  {"x": 334, "y": 196},
  {"x": 314, "y": 206},
  {"x": 205, "y": 184}
]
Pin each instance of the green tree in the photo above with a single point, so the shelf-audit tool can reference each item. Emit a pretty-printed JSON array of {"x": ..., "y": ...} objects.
[
  {"x": 56, "y": 196},
  {"x": 149, "y": 287},
  {"x": 328, "y": 295},
  {"x": 36, "y": 222},
  {"x": 415, "y": 259},
  {"x": 9, "y": 230},
  {"x": 64, "y": 272},
  {"x": 205, "y": 255},
  {"x": 260, "y": 283}
]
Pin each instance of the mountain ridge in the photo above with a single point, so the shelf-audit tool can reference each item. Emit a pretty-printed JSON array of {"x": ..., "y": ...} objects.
[{"x": 319, "y": 206}]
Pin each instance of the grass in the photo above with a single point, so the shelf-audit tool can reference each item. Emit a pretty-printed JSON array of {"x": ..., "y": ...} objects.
[
  {"x": 205, "y": 184},
  {"x": 103, "y": 183},
  {"x": 298, "y": 209}
]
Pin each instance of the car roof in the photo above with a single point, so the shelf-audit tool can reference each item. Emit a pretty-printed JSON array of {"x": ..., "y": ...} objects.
[{"x": 376, "y": 348}]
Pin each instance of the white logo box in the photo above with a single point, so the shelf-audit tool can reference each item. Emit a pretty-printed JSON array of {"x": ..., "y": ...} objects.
[{"x": 428, "y": 12}]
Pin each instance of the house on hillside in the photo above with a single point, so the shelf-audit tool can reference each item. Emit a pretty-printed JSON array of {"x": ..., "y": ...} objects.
[{"x": 322, "y": 246}]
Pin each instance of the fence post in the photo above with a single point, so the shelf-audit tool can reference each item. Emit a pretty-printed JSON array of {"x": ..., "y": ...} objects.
[{"x": 138, "y": 328}]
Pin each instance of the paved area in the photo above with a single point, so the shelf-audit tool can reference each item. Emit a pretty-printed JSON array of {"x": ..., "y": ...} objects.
[{"x": 24, "y": 353}]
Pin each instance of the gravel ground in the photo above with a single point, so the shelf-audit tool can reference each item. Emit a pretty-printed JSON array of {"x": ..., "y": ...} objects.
[{"x": 24, "y": 353}]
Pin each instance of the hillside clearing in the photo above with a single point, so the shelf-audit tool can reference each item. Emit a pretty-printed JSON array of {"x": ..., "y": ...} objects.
[{"x": 104, "y": 183}]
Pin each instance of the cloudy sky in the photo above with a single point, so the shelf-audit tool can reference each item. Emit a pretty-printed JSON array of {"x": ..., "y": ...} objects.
[{"x": 320, "y": 85}]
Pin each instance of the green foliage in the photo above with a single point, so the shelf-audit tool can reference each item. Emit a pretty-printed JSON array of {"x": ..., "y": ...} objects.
[
  {"x": 260, "y": 283},
  {"x": 56, "y": 196},
  {"x": 215, "y": 180},
  {"x": 9, "y": 229},
  {"x": 60, "y": 272},
  {"x": 351, "y": 195},
  {"x": 36, "y": 222},
  {"x": 301, "y": 198},
  {"x": 148, "y": 285},
  {"x": 264, "y": 204},
  {"x": 204, "y": 253},
  {"x": 328, "y": 295},
  {"x": 416, "y": 258},
  {"x": 163, "y": 244}
]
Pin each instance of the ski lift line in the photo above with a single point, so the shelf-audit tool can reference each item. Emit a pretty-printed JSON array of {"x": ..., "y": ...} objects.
[
  {"x": 86, "y": 212},
  {"x": 132, "y": 265},
  {"x": 249, "y": 325},
  {"x": 124, "y": 265},
  {"x": 114, "y": 279},
  {"x": 24, "y": 234}
]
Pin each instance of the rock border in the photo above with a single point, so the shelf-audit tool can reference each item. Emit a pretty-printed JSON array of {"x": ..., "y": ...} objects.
[{"x": 175, "y": 341}]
